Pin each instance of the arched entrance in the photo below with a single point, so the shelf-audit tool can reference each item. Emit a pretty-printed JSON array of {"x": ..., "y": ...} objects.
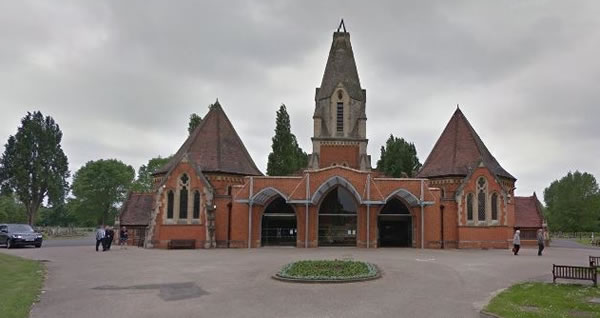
[
  {"x": 278, "y": 224},
  {"x": 337, "y": 219},
  {"x": 395, "y": 225}
]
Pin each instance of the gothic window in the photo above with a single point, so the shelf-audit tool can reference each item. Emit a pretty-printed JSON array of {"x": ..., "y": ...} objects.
[
  {"x": 481, "y": 198},
  {"x": 340, "y": 117},
  {"x": 170, "y": 199},
  {"x": 196, "y": 205},
  {"x": 183, "y": 203},
  {"x": 495, "y": 206},
  {"x": 470, "y": 207},
  {"x": 183, "y": 196}
]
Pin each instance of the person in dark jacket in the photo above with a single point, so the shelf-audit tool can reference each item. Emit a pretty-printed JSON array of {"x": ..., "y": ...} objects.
[
  {"x": 540, "y": 241},
  {"x": 123, "y": 236},
  {"x": 108, "y": 238}
]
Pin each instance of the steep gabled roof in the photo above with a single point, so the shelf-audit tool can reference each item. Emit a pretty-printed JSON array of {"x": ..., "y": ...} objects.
[
  {"x": 528, "y": 212},
  {"x": 458, "y": 150},
  {"x": 137, "y": 209},
  {"x": 214, "y": 146},
  {"x": 340, "y": 68}
]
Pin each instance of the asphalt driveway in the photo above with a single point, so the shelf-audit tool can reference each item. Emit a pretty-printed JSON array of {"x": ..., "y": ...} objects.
[{"x": 236, "y": 282}]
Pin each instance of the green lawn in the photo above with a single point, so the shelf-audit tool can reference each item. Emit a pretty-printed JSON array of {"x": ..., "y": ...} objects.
[
  {"x": 585, "y": 241},
  {"x": 21, "y": 281},
  {"x": 546, "y": 300}
]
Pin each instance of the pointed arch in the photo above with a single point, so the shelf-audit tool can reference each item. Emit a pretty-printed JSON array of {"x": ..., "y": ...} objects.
[
  {"x": 265, "y": 195},
  {"x": 331, "y": 183},
  {"x": 405, "y": 195}
]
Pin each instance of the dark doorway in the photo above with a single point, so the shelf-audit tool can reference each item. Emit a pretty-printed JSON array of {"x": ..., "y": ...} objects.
[
  {"x": 278, "y": 224},
  {"x": 395, "y": 225},
  {"x": 337, "y": 219}
]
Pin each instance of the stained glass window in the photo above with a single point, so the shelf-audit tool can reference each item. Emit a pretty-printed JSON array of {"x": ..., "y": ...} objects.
[
  {"x": 170, "y": 199},
  {"x": 470, "y": 207}
]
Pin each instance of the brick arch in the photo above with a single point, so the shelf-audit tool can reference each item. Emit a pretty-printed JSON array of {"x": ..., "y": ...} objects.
[
  {"x": 406, "y": 196},
  {"x": 266, "y": 195},
  {"x": 332, "y": 182}
]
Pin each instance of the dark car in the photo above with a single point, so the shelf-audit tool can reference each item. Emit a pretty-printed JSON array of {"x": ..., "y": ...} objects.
[{"x": 12, "y": 235}]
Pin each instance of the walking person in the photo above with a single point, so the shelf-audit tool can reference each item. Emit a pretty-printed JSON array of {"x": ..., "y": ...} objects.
[
  {"x": 108, "y": 238},
  {"x": 123, "y": 236},
  {"x": 517, "y": 242},
  {"x": 540, "y": 241},
  {"x": 100, "y": 233}
]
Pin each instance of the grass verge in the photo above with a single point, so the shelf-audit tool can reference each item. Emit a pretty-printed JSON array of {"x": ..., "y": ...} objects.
[
  {"x": 21, "y": 281},
  {"x": 546, "y": 300}
]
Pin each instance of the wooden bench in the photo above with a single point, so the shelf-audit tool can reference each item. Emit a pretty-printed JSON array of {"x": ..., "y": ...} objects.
[
  {"x": 181, "y": 244},
  {"x": 594, "y": 261},
  {"x": 574, "y": 272}
]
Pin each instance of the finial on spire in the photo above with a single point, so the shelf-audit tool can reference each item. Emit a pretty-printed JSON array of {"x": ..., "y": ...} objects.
[
  {"x": 457, "y": 107},
  {"x": 342, "y": 26}
]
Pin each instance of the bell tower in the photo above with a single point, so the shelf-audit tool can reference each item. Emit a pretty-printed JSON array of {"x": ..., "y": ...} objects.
[{"x": 340, "y": 120}]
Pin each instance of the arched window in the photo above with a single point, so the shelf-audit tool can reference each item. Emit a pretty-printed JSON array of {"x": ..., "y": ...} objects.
[
  {"x": 481, "y": 198},
  {"x": 495, "y": 206},
  {"x": 170, "y": 200},
  {"x": 183, "y": 197},
  {"x": 196, "y": 214},
  {"x": 470, "y": 207}
]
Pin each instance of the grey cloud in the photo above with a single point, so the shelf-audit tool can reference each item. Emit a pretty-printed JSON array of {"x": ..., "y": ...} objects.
[{"x": 121, "y": 78}]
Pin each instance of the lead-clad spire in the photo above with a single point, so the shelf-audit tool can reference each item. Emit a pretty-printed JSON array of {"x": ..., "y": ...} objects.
[{"x": 340, "y": 68}]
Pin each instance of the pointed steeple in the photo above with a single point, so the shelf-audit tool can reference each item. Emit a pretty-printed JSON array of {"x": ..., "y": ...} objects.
[
  {"x": 340, "y": 68},
  {"x": 458, "y": 150},
  {"x": 214, "y": 146}
]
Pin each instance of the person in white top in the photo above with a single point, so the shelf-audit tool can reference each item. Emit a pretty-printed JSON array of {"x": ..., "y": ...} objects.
[{"x": 517, "y": 242}]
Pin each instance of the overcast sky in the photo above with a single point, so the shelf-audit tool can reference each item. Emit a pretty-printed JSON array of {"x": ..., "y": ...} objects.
[{"x": 122, "y": 77}]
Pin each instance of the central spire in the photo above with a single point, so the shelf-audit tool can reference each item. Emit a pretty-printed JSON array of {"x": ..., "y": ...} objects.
[{"x": 340, "y": 120}]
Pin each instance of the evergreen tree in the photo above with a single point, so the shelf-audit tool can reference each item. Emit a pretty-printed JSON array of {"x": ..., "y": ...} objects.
[
  {"x": 398, "y": 158},
  {"x": 195, "y": 120},
  {"x": 286, "y": 157},
  {"x": 573, "y": 203},
  {"x": 33, "y": 165}
]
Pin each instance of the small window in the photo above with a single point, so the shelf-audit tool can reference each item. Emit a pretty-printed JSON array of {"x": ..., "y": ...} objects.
[
  {"x": 495, "y": 206},
  {"x": 170, "y": 199},
  {"x": 470, "y": 207},
  {"x": 340, "y": 117},
  {"x": 196, "y": 205},
  {"x": 183, "y": 203}
]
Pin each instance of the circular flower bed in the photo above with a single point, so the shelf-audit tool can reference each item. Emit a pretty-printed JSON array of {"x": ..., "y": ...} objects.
[{"x": 327, "y": 271}]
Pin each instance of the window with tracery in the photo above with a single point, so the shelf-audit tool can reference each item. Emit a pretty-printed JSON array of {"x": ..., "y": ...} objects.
[{"x": 183, "y": 197}]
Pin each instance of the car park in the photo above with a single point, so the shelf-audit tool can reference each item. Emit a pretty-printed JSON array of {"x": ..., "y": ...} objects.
[{"x": 12, "y": 235}]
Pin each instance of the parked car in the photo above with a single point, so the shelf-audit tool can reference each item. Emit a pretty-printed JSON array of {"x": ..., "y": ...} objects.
[{"x": 12, "y": 235}]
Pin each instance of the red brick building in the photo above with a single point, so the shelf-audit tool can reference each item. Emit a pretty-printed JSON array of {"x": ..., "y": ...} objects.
[{"x": 212, "y": 194}]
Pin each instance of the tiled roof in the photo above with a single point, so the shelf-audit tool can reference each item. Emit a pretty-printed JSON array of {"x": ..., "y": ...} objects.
[
  {"x": 137, "y": 209},
  {"x": 458, "y": 150},
  {"x": 215, "y": 146},
  {"x": 528, "y": 212},
  {"x": 340, "y": 67}
]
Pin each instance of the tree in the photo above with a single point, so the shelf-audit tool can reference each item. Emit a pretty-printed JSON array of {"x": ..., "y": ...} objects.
[
  {"x": 144, "y": 182},
  {"x": 195, "y": 120},
  {"x": 100, "y": 186},
  {"x": 11, "y": 210},
  {"x": 286, "y": 157},
  {"x": 573, "y": 203},
  {"x": 398, "y": 158},
  {"x": 33, "y": 165}
]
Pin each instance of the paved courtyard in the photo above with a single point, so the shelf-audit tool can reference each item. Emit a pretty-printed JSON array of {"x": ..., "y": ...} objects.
[{"x": 236, "y": 282}]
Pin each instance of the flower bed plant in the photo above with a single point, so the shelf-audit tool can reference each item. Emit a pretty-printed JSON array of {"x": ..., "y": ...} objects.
[{"x": 328, "y": 270}]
